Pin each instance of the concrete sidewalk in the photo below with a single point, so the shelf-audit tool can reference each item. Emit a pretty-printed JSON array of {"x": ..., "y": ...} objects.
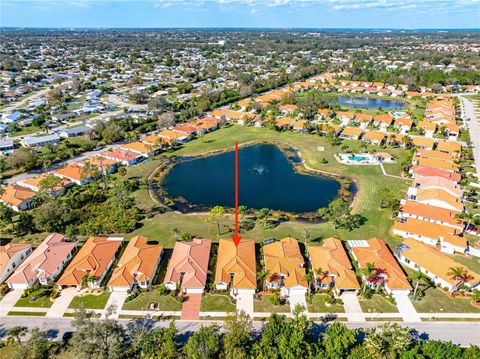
[
  {"x": 60, "y": 305},
  {"x": 9, "y": 301},
  {"x": 352, "y": 307}
]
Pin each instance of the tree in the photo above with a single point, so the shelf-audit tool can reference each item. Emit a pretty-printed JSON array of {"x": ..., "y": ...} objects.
[
  {"x": 388, "y": 340},
  {"x": 460, "y": 274},
  {"x": 238, "y": 332},
  {"x": 417, "y": 276},
  {"x": 101, "y": 339},
  {"x": 369, "y": 272},
  {"x": 339, "y": 214},
  {"x": 263, "y": 215},
  {"x": 146, "y": 342},
  {"x": 215, "y": 215},
  {"x": 49, "y": 183},
  {"x": 205, "y": 343},
  {"x": 15, "y": 334},
  {"x": 36, "y": 347},
  {"x": 165, "y": 120},
  {"x": 242, "y": 210},
  {"x": 338, "y": 341}
]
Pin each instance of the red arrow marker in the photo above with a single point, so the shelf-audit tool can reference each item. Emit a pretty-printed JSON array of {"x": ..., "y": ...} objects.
[{"x": 236, "y": 238}]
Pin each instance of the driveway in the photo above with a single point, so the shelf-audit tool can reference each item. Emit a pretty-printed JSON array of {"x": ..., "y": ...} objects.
[
  {"x": 245, "y": 303},
  {"x": 352, "y": 307},
  {"x": 60, "y": 305},
  {"x": 115, "y": 302},
  {"x": 191, "y": 307},
  {"x": 297, "y": 299},
  {"x": 9, "y": 301},
  {"x": 406, "y": 308}
]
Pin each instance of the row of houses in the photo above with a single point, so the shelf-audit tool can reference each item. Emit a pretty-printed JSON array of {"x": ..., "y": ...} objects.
[{"x": 21, "y": 195}]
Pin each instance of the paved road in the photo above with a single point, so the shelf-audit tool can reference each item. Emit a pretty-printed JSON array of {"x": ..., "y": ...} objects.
[
  {"x": 468, "y": 111},
  {"x": 460, "y": 333},
  {"x": 119, "y": 102}
]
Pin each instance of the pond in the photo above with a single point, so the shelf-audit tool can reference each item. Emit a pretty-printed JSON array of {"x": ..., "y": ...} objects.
[
  {"x": 368, "y": 102},
  {"x": 266, "y": 179}
]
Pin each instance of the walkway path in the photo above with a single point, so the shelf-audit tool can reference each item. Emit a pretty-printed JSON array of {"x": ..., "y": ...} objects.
[
  {"x": 245, "y": 303},
  {"x": 115, "y": 302},
  {"x": 393, "y": 176},
  {"x": 406, "y": 308},
  {"x": 191, "y": 307},
  {"x": 297, "y": 299},
  {"x": 9, "y": 301},
  {"x": 352, "y": 307},
  {"x": 61, "y": 303}
]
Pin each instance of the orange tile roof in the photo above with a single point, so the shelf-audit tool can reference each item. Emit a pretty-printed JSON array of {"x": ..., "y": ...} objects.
[
  {"x": 120, "y": 155},
  {"x": 139, "y": 260},
  {"x": 450, "y": 147},
  {"x": 430, "y": 171},
  {"x": 349, "y": 115},
  {"x": 436, "y": 154},
  {"x": 352, "y": 131},
  {"x": 189, "y": 259},
  {"x": 423, "y": 142},
  {"x": 427, "y": 126},
  {"x": 139, "y": 147},
  {"x": 15, "y": 195},
  {"x": 434, "y": 261},
  {"x": 35, "y": 182},
  {"x": 385, "y": 118},
  {"x": 432, "y": 162},
  {"x": 380, "y": 256},
  {"x": 172, "y": 134},
  {"x": 238, "y": 260},
  {"x": 284, "y": 122},
  {"x": 440, "y": 182},
  {"x": 374, "y": 136},
  {"x": 427, "y": 229},
  {"x": 431, "y": 212},
  {"x": 218, "y": 113},
  {"x": 99, "y": 162},
  {"x": 74, "y": 172},
  {"x": 152, "y": 139},
  {"x": 362, "y": 117},
  {"x": 44, "y": 260},
  {"x": 440, "y": 195},
  {"x": 93, "y": 258},
  {"x": 284, "y": 257},
  {"x": 332, "y": 259}
]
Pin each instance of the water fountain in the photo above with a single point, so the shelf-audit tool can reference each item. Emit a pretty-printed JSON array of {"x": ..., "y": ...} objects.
[{"x": 260, "y": 170}]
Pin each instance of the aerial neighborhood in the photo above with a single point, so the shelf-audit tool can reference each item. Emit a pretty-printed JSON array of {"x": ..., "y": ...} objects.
[{"x": 355, "y": 194}]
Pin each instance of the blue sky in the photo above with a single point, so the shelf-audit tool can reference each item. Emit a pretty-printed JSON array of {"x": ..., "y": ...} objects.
[{"x": 242, "y": 13}]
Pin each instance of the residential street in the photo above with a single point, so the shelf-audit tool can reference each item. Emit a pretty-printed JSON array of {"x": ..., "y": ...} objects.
[
  {"x": 474, "y": 128},
  {"x": 119, "y": 102},
  {"x": 460, "y": 333}
]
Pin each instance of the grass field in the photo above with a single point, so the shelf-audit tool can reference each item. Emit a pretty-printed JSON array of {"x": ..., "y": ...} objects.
[
  {"x": 377, "y": 304},
  {"x": 90, "y": 301},
  {"x": 164, "y": 302},
  {"x": 26, "y": 314},
  {"x": 436, "y": 301},
  {"x": 42, "y": 302},
  {"x": 319, "y": 306},
  {"x": 217, "y": 303},
  {"x": 265, "y": 305}
]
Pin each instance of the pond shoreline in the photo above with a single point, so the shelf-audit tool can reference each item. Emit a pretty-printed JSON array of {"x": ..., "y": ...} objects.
[{"x": 182, "y": 206}]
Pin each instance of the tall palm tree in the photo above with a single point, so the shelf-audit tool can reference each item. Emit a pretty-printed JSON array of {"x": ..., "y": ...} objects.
[
  {"x": 264, "y": 214},
  {"x": 417, "y": 276},
  {"x": 460, "y": 274},
  {"x": 370, "y": 272}
]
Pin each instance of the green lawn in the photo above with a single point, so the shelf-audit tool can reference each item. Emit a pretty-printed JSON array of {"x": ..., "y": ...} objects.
[
  {"x": 437, "y": 301},
  {"x": 27, "y": 314},
  {"x": 42, "y": 302},
  {"x": 319, "y": 306},
  {"x": 164, "y": 302},
  {"x": 377, "y": 304},
  {"x": 265, "y": 305},
  {"x": 217, "y": 303},
  {"x": 90, "y": 301}
]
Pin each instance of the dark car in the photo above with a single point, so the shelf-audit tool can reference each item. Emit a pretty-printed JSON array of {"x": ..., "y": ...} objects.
[{"x": 471, "y": 199}]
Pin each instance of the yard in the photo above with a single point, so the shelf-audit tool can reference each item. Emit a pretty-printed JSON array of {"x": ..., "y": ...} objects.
[
  {"x": 144, "y": 299},
  {"x": 377, "y": 304},
  {"x": 264, "y": 305},
  {"x": 217, "y": 303},
  {"x": 319, "y": 305},
  {"x": 41, "y": 302},
  {"x": 437, "y": 301},
  {"x": 90, "y": 301}
]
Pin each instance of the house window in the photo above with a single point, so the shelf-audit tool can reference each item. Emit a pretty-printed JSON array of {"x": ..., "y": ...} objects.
[
  {"x": 417, "y": 266},
  {"x": 407, "y": 260}
]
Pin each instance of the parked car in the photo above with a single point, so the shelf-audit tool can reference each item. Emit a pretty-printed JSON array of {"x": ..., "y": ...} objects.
[{"x": 471, "y": 199}]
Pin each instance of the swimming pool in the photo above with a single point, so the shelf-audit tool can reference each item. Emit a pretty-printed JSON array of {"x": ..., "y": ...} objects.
[{"x": 357, "y": 158}]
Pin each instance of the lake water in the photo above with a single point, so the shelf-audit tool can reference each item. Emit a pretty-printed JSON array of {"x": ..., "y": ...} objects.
[
  {"x": 367, "y": 102},
  {"x": 266, "y": 179}
]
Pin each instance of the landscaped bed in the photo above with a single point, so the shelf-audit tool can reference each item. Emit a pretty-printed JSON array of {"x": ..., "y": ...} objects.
[
  {"x": 264, "y": 305},
  {"x": 217, "y": 303},
  {"x": 90, "y": 301},
  {"x": 161, "y": 302},
  {"x": 377, "y": 304},
  {"x": 319, "y": 305}
]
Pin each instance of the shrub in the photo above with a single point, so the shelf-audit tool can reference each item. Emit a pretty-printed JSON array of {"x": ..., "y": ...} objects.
[
  {"x": 162, "y": 290},
  {"x": 181, "y": 298}
]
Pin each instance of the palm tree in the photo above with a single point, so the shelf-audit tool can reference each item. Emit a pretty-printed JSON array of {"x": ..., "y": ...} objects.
[
  {"x": 460, "y": 274},
  {"x": 242, "y": 210},
  {"x": 370, "y": 272},
  {"x": 417, "y": 276},
  {"x": 320, "y": 274},
  {"x": 263, "y": 214},
  {"x": 261, "y": 275},
  {"x": 15, "y": 334},
  {"x": 476, "y": 296}
]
